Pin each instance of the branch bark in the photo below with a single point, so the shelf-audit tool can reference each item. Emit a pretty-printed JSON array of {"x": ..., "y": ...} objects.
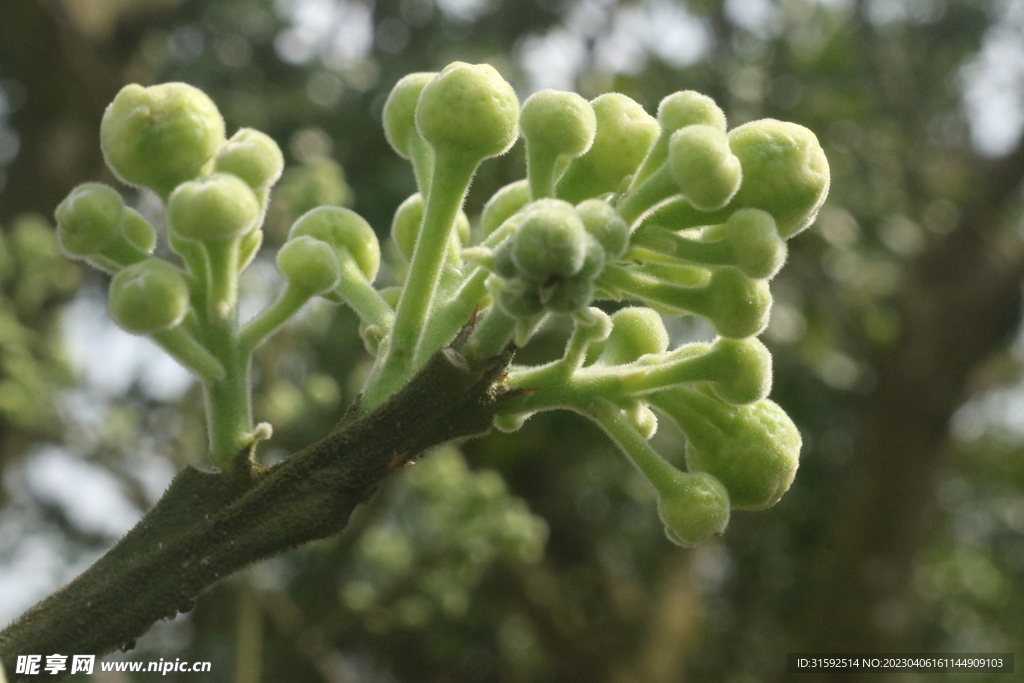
[{"x": 210, "y": 524}]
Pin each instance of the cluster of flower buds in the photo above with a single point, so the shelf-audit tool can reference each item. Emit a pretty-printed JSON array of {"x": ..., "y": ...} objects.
[
  {"x": 674, "y": 214},
  {"x": 171, "y": 139}
]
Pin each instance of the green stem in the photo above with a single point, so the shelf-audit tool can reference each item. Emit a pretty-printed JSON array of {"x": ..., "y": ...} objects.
[
  {"x": 358, "y": 293},
  {"x": 228, "y": 404},
  {"x": 655, "y": 189},
  {"x": 422, "y": 157},
  {"x": 184, "y": 348},
  {"x": 223, "y": 280},
  {"x": 657, "y": 470},
  {"x": 540, "y": 171},
  {"x": 717, "y": 253},
  {"x": 492, "y": 334},
  {"x": 676, "y": 297},
  {"x": 272, "y": 317},
  {"x": 450, "y": 181},
  {"x": 449, "y": 317},
  {"x": 655, "y": 159}
]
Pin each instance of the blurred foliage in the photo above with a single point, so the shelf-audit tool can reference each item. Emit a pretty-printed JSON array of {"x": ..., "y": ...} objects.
[
  {"x": 892, "y": 315},
  {"x": 34, "y": 275}
]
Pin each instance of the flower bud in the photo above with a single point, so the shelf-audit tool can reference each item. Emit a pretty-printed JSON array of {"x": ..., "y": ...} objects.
[
  {"x": 89, "y": 219},
  {"x": 785, "y": 172},
  {"x": 695, "y": 508},
  {"x": 149, "y": 296},
  {"x": 705, "y": 168},
  {"x": 468, "y": 110},
  {"x": 555, "y": 123},
  {"x": 636, "y": 331},
  {"x": 737, "y": 306},
  {"x": 252, "y": 156},
  {"x": 568, "y": 295},
  {"x": 215, "y": 208},
  {"x": 605, "y": 224},
  {"x": 309, "y": 264},
  {"x": 346, "y": 231},
  {"x": 688, "y": 108},
  {"x": 678, "y": 110},
  {"x": 625, "y": 132},
  {"x": 400, "y": 112},
  {"x": 550, "y": 241},
  {"x": 160, "y": 136},
  {"x": 503, "y": 205},
  {"x": 760, "y": 252},
  {"x": 753, "y": 449},
  {"x": 520, "y": 298}
]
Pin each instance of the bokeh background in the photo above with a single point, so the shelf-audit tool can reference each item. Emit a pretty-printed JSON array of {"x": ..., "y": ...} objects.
[{"x": 538, "y": 556}]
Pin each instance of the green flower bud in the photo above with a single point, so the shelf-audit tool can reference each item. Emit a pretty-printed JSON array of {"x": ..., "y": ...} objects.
[
  {"x": 688, "y": 108},
  {"x": 252, "y": 156},
  {"x": 149, "y": 296},
  {"x": 406, "y": 224},
  {"x": 636, "y": 331},
  {"x": 678, "y": 110},
  {"x": 309, "y": 264},
  {"x": 503, "y": 205},
  {"x": 558, "y": 123},
  {"x": 737, "y": 306},
  {"x": 346, "y": 231},
  {"x": 705, "y": 168},
  {"x": 625, "y": 132},
  {"x": 694, "y": 509},
  {"x": 138, "y": 231},
  {"x": 785, "y": 172},
  {"x": 215, "y": 208},
  {"x": 400, "y": 112},
  {"x": 753, "y": 449},
  {"x": 468, "y": 110},
  {"x": 605, "y": 224},
  {"x": 89, "y": 219},
  {"x": 520, "y": 298},
  {"x": 550, "y": 241},
  {"x": 160, "y": 136},
  {"x": 760, "y": 252},
  {"x": 568, "y": 295}
]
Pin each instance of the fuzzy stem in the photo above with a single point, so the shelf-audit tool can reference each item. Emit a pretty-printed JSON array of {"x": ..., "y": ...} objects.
[
  {"x": 223, "y": 280},
  {"x": 655, "y": 189},
  {"x": 492, "y": 334},
  {"x": 540, "y": 171},
  {"x": 717, "y": 253},
  {"x": 228, "y": 403},
  {"x": 272, "y": 317},
  {"x": 450, "y": 181},
  {"x": 360, "y": 295},
  {"x": 657, "y": 470},
  {"x": 184, "y": 348}
]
